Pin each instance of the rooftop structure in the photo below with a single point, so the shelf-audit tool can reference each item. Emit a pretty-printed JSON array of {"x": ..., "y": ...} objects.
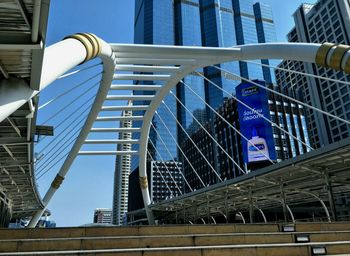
[{"x": 22, "y": 40}]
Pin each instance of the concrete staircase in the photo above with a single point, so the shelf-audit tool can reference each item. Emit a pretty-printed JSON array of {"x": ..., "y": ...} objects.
[{"x": 194, "y": 240}]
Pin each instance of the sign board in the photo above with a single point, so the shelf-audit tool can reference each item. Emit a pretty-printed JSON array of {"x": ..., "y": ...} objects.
[{"x": 260, "y": 145}]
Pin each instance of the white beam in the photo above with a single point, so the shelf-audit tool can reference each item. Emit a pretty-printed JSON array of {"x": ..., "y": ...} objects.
[
  {"x": 142, "y": 68},
  {"x": 16, "y": 92},
  {"x": 90, "y": 153},
  {"x": 116, "y": 130},
  {"x": 122, "y": 108},
  {"x": 112, "y": 141},
  {"x": 292, "y": 51},
  {"x": 140, "y": 87},
  {"x": 129, "y": 97},
  {"x": 155, "y": 61},
  {"x": 142, "y": 77},
  {"x": 56, "y": 63},
  {"x": 119, "y": 118}
]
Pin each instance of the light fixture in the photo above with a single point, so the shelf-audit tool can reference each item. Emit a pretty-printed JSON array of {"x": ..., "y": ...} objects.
[
  {"x": 302, "y": 238},
  {"x": 318, "y": 250},
  {"x": 288, "y": 228}
]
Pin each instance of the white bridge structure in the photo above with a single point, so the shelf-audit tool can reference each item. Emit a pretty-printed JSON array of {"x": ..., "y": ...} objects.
[{"x": 166, "y": 67}]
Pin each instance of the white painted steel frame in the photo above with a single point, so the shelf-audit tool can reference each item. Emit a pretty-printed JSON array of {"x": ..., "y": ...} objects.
[
  {"x": 194, "y": 58},
  {"x": 78, "y": 50},
  {"x": 189, "y": 59}
]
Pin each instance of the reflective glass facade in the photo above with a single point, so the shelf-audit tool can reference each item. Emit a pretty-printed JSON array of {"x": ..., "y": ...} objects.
[
  {"x": 226, "y": 23},
  {"x": 216, "y": 23},
  {"x": 218, "y": 30},
  {"x": 154, "y": 24},
  {"x": 266, "y": 33},
  {"x": 188, "y": 32},
  {"x": 246, "y": 34}
]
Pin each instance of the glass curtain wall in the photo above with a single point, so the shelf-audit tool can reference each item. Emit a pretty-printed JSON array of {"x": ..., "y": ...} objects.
[{"x": 188, "y": 33}]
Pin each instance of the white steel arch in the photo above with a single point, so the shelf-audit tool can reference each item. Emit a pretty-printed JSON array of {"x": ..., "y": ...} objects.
[
  {"x": 168, "y": 64},
  {"x": 192, "y": 58},
  {"x": 85, "y": 46}
]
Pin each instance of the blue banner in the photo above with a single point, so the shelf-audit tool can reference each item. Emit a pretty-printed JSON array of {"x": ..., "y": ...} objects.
[{"x": 260, "y": 145}]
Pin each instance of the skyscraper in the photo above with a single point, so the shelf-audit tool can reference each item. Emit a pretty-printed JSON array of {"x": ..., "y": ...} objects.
[
  {"x": 326, "y": 21},
  {"x": 217, "y": 23},
  {"x": 218, "y": 30},
  {"x": 227, "y": 23},
  {"x": 103, "y": 216},
  {"x": 164, "y": 181},
  {"x": 265, "y": 28},
  {"x": 188, "y": 32},
  {"x": 154, "y": 24},
  {"x": 121, "y": 175}
]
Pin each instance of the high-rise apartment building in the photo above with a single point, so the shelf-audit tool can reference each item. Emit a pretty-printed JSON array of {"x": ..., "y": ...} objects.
[
  {"x": 103, "y": 216},
  {"x": 275, "y": 143},
  {"x": 164, "y": 181},
  {"x": 216, "y": 23},
  {"x": 326, "y": 21},
  {"x": 121, "y": 175},
  {"x": 196, "y": 169}
]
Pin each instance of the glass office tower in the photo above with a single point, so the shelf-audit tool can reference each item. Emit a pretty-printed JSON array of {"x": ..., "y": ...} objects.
[
  {"x": 170, "y": 22},
  {"x": 226, "y": 23},
  {"x": 246, "y": 33},
  {"x": 266, "y": 33},
  {"x": 215, "y": 23},
  {"x": 218, "y": 30},
  {"x": 188, "y": 32},
  {"x": 154, "y": 24}
]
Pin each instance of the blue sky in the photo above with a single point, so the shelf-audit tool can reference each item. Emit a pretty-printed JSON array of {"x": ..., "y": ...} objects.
[{"x": 89, "y": 183}]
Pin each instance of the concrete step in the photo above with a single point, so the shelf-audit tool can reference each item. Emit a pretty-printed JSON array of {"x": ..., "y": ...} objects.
[
  {"x": 122, "y": 242},
  {"x": 230, "y": 239},
  {"x": 331, "y": 248},
  {"x": 137, "y": 230},
  {"x": 322, "y": 226},
  {"x": 167, "y": 230}
]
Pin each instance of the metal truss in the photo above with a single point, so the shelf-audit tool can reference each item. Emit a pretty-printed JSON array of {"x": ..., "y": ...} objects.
[
  {"x": 164, "y": 65},
  {"x": 22, "y": 41}
]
